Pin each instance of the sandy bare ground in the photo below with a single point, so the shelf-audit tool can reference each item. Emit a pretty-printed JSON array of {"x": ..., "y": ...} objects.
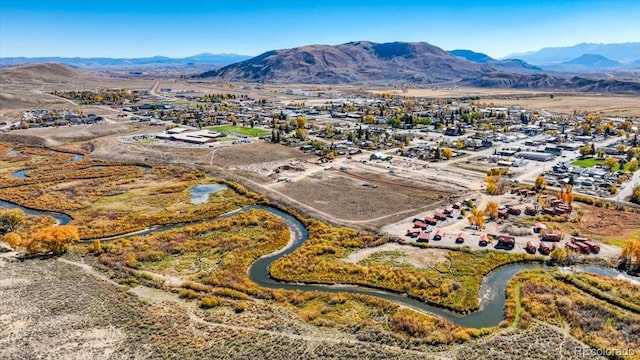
[{"x": 420, "y": 258}]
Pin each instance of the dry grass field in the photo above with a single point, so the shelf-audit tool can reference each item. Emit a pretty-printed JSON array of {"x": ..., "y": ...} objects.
[{"x": 72, "y": 314}]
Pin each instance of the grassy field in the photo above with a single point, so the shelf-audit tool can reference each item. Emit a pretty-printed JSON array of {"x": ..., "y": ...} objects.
[
  {"x": 587, "y": 163},
  {"x": 246, "y": 131},
  {"x": 591, "y": 162}
]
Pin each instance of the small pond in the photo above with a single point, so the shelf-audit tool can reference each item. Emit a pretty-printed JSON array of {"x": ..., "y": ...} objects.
[{"x": 200, "y": 194}]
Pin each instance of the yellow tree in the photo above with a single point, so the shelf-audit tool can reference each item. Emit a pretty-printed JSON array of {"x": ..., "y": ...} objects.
[
  {"x": 55, "y": 239},
  {"x": 459, "y": 144},
  {"x": 301, "y": 122},
  {"x": 632, "y": 165},
  {"x": 368, "y": 119},
  {"x": 476, "y": 217},
  {"x": 491, "y": 209},
  {"x": 447, "y": 153},
  {"x": 12, "y": 239},
  {"x": 611, "y": 162},
  {"x": 541, "y": 183},
  {"x": 631, "y": 253}
]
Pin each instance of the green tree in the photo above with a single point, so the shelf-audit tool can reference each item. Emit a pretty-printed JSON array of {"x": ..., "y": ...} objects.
[{"x": 11, "y": 220}]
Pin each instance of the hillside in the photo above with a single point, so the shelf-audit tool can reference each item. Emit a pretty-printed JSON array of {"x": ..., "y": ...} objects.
[
  {"x": 592, "y": 61},
  {"x": 38, "y": 73},
  {"x": 623, "y": 53},
  {"x": 509, "y": 65},
  {"x": 545, "y": 81},
  {"x": 354, "y": 62}
]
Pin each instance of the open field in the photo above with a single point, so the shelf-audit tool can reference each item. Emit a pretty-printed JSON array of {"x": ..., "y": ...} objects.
[
  {"x": 96, "y": 319},
  {"x": 567, "y": 103},
  {"x": 341, "y": 195},
  {"x": 607, "y": 105},
  {"x": 240, "y": 130}
]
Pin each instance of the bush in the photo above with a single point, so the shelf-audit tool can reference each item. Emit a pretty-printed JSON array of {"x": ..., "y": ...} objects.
[
  {"x": 240, "y": 306},
  {"x": 210, "y": 302},
  {"x": 188, "y": 294}
]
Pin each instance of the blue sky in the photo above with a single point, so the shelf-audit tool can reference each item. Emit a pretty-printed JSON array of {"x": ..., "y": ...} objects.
[{"x": 115, "y": 28}]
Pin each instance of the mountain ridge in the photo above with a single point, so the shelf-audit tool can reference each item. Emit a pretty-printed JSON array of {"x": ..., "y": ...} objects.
[
  {"x": 620, "y": 52},
  {"x": 158, "y": 60}
]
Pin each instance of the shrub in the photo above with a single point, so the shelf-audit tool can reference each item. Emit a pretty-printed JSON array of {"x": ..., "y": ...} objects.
[
  {"x": 210, "y": 302},
  {"x": 240, "y": 306},
  {"x": 188, "y": 294}
]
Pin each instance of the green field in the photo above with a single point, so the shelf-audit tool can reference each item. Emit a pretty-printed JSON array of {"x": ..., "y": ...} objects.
[
  {"x": 240, "y": 130},
  {"x": 591, "y": 162},
  {"x": 587, "y": 163}
]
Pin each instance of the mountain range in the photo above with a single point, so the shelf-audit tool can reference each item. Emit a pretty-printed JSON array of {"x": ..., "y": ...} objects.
[
  {"x": 99, "y": 62},
  {"x": 624, "y": 53},
  {"x": 420, "y": 63}
]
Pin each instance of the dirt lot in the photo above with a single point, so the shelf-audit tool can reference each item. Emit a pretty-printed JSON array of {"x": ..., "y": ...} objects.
[
  {"x": 346, "y": 198},
  {"x": 235, "y": 157},
  {"x": 420, "y": 258}
]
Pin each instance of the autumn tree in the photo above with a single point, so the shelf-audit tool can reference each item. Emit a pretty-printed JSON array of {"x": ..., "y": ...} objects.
[
  {"x": 631, "y": 253},
  {"x": 491, "y": 209},
  {"x": 611, "y": 162},
  {"x": 301, "y": 122},
  {"x": 566, "y": 194},
  {"x": 368, "y": 119},
  {"x": 632, "y": 165},
  {"x": 447, "y": 153},
  {"x": 476, "y": 217},
  {"x": 12, "y": 239},
  {"x": 54, "y": 239},
  {"x": 541, "y": 183},
  {"x": 11, "y": 220},
  {"x": 301, "y": 133},
  {"x": 635, "y": 196}
]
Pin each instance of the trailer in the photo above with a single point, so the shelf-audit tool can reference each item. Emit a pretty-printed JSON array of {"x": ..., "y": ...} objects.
[
  {"x": 413, "y": 232},
  {"x": 430, "y": 221},
  {"x": 514, "y": 211},
  {"x": 484, "y": 240},
  {"x": 586, "y": 242},
  {"x": 530, "y": 248},
  {"x": 506, "y": 241},
  {"x": 424, "y": 237},
  {"x": 420, "y": 224},
  {"x": 552, "y": 237},
  {"x": 438, "y": 235},
  {"x": 440, "y": 216},
  {"x": 460, "y": 238},
  {"x": 530, "y": 210},
  {"x": 544, "y": 249},
  {"x": 593, "y": 247},
  {"x": 571, "y": 246},
  {"x": 579, "y": 245}
]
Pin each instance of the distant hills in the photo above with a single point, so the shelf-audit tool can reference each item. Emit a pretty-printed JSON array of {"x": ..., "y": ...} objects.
[
  {"x": 101, "y": 62},
  {"x": 592, "y": 61},
  {"x": 514, "y": 65},
  {"x": 397, "y": 63},
  {"x": 359, "y": 62},
  {"x": 624, "y": 53}
]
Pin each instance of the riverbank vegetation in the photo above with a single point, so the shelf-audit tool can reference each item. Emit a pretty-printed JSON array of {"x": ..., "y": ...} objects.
[
  {"x": 593, "y": 321},
  {"x": 215, "y": 253},
  {"x": 452, "y": 284}
]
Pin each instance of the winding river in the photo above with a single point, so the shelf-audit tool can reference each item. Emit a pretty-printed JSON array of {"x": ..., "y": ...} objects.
[{"x": 492, "y": 291}]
